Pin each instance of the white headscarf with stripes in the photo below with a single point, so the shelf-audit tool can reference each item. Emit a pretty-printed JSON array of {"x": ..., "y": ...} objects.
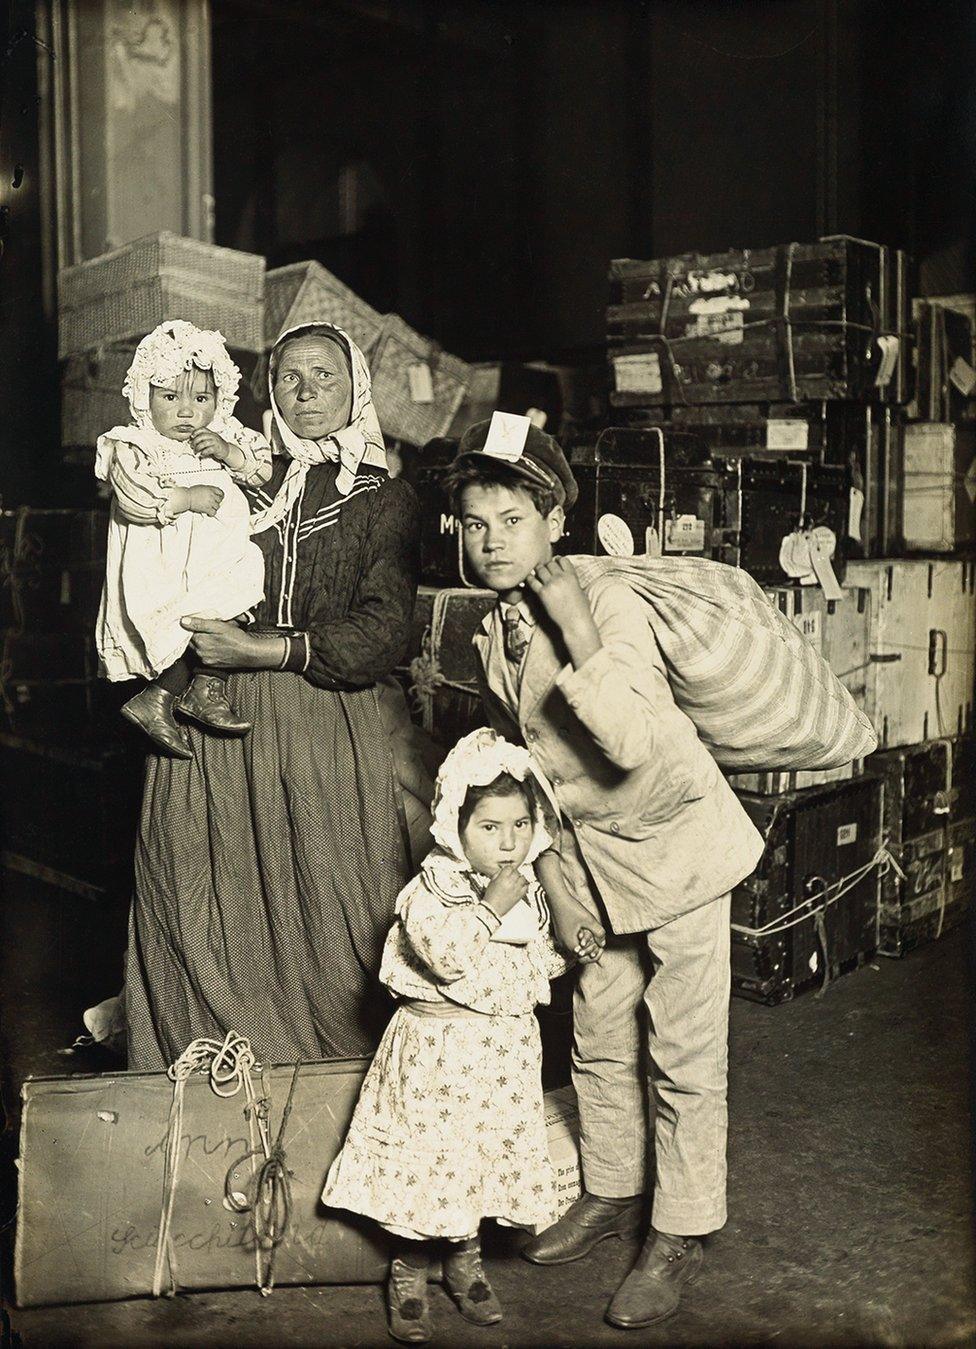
[{"x": 360, "y": 441}]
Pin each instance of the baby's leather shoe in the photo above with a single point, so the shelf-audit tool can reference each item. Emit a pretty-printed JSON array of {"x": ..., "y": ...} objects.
[
  {"x": 205, "y": 702},
  {"x": 152, "y": 711}
]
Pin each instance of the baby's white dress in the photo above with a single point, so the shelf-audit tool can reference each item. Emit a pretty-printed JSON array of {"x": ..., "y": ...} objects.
[{"x": 161, "y": 568}]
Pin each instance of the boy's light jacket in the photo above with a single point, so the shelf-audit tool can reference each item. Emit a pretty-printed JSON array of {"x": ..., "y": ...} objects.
[{"x": 659, "y": 828}]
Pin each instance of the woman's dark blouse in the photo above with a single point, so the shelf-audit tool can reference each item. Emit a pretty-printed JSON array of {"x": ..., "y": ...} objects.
[{"x": 342, "y": 570}]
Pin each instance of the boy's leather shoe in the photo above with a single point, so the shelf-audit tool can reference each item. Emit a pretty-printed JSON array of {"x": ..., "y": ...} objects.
[
  {"x": 406, "y": 1301},
  {"x": 651, "y": 1291},
  {"x": 152, "y": 711},
  {"x": 205, "y": 701},
  {"x": 587, "y": 1221},
  {"x": 468, "y": 1285}
]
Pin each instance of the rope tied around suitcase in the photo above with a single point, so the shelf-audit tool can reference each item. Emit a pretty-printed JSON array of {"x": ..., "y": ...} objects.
[
  {"x": 821, "y": 895},
  {"x": 883, "y": 861},
  {"x": 425, "y": 672},
  {"x": 229, "y": 1064}
]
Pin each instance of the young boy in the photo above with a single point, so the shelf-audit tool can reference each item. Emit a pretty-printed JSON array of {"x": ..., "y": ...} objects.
[{"x": 654, "y": 840}]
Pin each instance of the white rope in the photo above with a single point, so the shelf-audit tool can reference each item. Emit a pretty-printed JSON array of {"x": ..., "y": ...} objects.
[
  {"x": 818, "y": 903},
  {"x": 229, "y": 1063}
]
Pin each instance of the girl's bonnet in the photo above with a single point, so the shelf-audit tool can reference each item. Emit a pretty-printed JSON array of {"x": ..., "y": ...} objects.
[{"x": 476, "y": 761}]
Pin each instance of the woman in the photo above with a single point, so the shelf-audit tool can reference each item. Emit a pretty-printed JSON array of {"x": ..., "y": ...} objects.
[{"x": 267, "y": 867}]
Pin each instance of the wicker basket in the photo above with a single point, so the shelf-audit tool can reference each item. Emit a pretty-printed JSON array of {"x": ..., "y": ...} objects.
[
  {"x": 398, "y": 357},
  {"x": 126, "y": 293},
  {"x": 91, "y": 395},
  {"x": 306, "y": 292}
]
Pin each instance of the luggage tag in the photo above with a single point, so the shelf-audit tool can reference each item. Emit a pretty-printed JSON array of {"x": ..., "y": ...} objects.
[
  {"x": 889, "y": 359},
  {"x": 855, "y": 509},
  {"x": 823, "y": 543},
  {"x": 963, "y": 376},
  {"x": 421, "y": 383},
  {"x": 615, "y": 535},
  {"x": 684, "y": 534},
  {"x": 795, "y": 559}
]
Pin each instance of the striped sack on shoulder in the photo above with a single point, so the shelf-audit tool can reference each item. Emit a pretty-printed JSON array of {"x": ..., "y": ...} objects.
[{"x": 758, "y": 693}]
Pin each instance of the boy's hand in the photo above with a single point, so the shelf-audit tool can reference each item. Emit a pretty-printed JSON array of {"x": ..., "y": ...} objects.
[
  {"x": 576, "y": 930},
  {"x": 204, "y": 500},
  {"x": 505, "y": 890},
  {"x": 559, "y": 592},
  {"x": 208, "y": 445},
  {"x": 557, "y": 588}
]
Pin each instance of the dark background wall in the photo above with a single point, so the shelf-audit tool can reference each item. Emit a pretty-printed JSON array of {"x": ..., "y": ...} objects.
[{"x": 506, "y": 151}]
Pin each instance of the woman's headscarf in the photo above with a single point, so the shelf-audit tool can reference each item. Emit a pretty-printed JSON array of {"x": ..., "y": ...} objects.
[
  {"x": 171, "y": 350},
  {"x": 476, "y": 761},
  {"x": 360, "y": 441}
]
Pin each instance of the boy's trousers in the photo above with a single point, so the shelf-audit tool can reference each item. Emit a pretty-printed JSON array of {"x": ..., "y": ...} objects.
[{"x": 657, "y": 1003}]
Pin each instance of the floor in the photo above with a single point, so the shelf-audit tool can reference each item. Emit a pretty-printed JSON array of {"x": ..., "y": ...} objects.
[{"x": 849, "y": 1162}]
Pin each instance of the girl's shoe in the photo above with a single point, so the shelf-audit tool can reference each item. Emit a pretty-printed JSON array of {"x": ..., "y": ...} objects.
[
  {"x": 152, "y": 711},
  {"x": 468, "y": 1285},
  {"x": 406, "y": 1302},
  {"x": 205, "y": 701}
]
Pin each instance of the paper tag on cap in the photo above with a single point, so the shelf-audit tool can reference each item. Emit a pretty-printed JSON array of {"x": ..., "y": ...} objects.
[{"x": 507, "y": 435}]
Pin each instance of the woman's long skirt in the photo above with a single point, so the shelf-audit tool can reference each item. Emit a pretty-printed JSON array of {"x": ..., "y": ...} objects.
[{"x": 266, "y": 872}]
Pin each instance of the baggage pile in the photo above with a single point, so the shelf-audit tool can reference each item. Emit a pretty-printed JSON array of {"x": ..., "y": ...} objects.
[{"x": 760, "y": 417}]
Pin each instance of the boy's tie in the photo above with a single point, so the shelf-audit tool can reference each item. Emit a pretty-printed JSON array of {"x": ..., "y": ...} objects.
[{"x": 515, "y": 639}]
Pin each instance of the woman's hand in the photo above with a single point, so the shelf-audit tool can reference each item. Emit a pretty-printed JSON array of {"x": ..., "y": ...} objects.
[
  {"x": 224, "y": 645},
  {"x": 203, "y": 500},
  {"x": 505, "y": 890}
]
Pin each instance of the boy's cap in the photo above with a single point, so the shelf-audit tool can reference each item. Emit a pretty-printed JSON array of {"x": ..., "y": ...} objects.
[{"x": 519, "y": 445}]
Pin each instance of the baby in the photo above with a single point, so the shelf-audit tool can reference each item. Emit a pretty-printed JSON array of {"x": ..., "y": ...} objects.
[{"x": 178, "y": 538}]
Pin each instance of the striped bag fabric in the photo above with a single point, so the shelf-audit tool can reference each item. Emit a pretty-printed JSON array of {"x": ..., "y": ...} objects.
[{"x": 760, "y": 696}]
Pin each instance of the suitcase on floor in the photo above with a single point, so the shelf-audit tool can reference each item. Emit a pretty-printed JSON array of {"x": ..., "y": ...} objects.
[
  {"x": 442, "y": 672},
  {"x": 936, "y": 499},
  {"x": 917, "y": 782},
  {"x": 92, "y": 1185},
  {"x": 784, "y": 324},
  {"x": 921, "y": 659},
  {"x": 809, "y": 912},
  {"x": 651, "y": 490}
]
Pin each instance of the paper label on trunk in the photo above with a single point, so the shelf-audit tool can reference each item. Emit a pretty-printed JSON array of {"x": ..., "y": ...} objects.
[
  {"x": 955, "y": 866},
  {"x": 615, "y": 535},
  {"x": 421, "y": 383},
  {"x": 787, "y": 433},
  {"x": 652, "y": 542},
  {"x": 963, "y": 376},
  {"x": 640, "y": 372},
  {"x": 718, "y": 316},
  {"x": 855, "y": 509},
  {"x": 507, "y": 435},
  {"x": 847, "y": 833},
  {"x": 684, "y": 535},
  {"x": 824, "y": 571}
]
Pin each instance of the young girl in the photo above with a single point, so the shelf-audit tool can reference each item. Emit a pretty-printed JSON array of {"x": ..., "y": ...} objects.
[
  {"x": 449, "y": 1127},
  {"x": 178, "y": 540}
]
